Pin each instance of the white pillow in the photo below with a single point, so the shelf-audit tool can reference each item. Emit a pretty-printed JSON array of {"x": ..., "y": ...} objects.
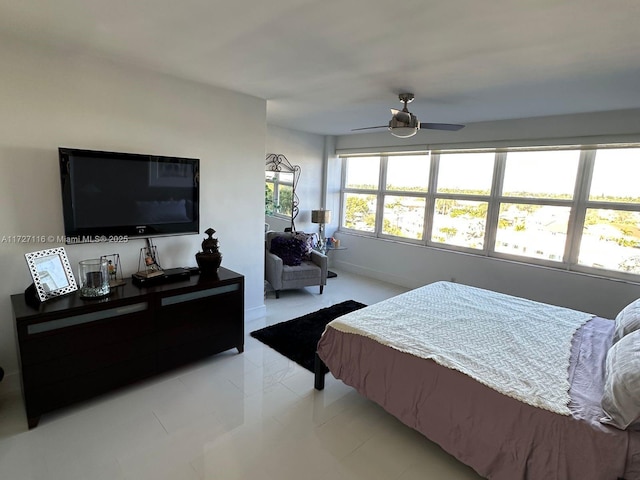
[
  {"x": 627, "y": 321},
  {"x": 621, "y": 397}
]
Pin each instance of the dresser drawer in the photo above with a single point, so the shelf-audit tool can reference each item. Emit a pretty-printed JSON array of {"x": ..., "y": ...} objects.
[
  {"x": 59, "y": 337},
  {"x": 44, "y": 398},
  {"x": 88, "y": 361}
]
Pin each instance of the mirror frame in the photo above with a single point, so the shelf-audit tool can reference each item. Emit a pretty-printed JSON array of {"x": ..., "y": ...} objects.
[
  {"x": 57, "y": 259},
  {"x": 277, "y": 162}
]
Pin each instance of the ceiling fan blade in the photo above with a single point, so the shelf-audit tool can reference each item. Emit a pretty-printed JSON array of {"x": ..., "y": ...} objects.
[
  {"x": 442, "y": 126},
  {"x": 369, "y": 128}
]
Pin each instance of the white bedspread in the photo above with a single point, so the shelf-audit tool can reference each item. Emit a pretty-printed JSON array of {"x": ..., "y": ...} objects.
[{"x": 518, "y": 347}]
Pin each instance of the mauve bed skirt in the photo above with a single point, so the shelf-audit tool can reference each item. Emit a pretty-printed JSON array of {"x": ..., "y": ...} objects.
[{"x": 499, "y": 437}]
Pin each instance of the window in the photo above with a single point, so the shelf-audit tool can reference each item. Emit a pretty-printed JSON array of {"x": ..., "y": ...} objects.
[
  {"x": 611, "y": 240},
  {"x": 461, "y": 201},
  {"x": 465, "y": 173},
  {"x": 529, "y": 230},
  {"x": 611, "y": 234},
  {"x": 459, "y": 222},
  {"x": 270, "y": 201},
  {"x": 616, "y": 176},
  {"x": 537, "y": 195},
  {"x": 541, "y": 174},
  {"x": 360, "y": 212},
  {"x": 363, "y": 173},
  {"x": 401, "y": 202},
  {"x": 571, "y": 208},
  {"x": 408, "y": 173},
  {"x": 278, "y": 193},
  {"x": 403, "y": 216},
  {"x": 360, "y": 200},
  {"x": 407, "y": 181}
]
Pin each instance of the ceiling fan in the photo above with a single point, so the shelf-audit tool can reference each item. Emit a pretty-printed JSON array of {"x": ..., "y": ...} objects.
[{"x": 404, "y": 124}]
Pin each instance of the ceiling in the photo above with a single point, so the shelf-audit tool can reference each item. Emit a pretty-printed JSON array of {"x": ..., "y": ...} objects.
[{"x": 329, "y": 66}]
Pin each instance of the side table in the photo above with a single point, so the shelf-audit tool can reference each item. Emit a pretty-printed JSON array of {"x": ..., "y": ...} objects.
[{"x": 331, "y": 274}]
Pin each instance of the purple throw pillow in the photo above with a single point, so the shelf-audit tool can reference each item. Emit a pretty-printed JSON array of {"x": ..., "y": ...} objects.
[{"x": 289, "y": 249}]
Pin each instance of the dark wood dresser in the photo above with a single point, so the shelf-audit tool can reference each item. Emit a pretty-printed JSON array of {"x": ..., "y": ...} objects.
[{"x": 71, "y": 349}]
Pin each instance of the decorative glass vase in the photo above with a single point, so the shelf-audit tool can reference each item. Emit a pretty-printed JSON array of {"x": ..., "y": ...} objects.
[{"x": 93, "y": 277}]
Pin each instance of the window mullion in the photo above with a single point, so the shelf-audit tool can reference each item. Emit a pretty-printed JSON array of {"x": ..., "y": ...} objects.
[
  {"x": 493, "y": 212},
  {"x": 275, "y": 191},
  {"x": 382, "y": 187},
  {"x": 343, "y": 200},
  {"x": 627, "y": 207},
  {"x": 579, "y": 210},
  {"x": 431, "y": 197}
]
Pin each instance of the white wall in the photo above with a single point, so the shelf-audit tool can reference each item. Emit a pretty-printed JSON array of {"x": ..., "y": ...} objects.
[
  {"x": 306, "y": 150},
  {"x": 51, "y": 99},
  {"x": 584, "y": 128},
  {"x": 413, "y": 266}
]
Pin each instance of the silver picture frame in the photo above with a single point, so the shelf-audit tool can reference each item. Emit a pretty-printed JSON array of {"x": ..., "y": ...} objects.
[{"x": 51, "y": 272}]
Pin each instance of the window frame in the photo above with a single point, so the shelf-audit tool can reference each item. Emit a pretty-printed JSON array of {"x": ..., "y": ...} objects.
[
  {"x": 380, "y": 193},
  {"x": 433, "y": 180},
  {"x": 578, "y": 206},
  {"x": 573, "y": 204},
  {"x": 361, "y": 191}
]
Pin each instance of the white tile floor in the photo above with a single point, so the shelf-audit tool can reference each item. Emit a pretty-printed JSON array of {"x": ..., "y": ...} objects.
[{"x": 249, "y": 416}]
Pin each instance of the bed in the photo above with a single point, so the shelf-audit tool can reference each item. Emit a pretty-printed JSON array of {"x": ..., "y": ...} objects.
[{"x": 513, "y": 388}]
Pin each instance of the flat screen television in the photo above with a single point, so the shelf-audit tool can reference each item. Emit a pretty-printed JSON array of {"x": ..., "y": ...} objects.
[{"x": 108, "y": 194}]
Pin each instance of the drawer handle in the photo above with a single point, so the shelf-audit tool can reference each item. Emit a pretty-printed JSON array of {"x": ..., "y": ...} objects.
[
  {"x": 210, "y": 292},
  {"x": 85, "y": 318}
]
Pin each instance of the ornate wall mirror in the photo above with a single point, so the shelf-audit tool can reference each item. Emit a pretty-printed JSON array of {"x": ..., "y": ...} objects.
[{"x": 281, "y": 179}]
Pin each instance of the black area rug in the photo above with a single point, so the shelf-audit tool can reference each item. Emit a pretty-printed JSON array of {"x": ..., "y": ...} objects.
[{"x": 297, "y": 339}]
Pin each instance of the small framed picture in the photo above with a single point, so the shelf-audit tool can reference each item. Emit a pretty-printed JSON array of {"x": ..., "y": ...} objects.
[{"x": 51, "y": 272}]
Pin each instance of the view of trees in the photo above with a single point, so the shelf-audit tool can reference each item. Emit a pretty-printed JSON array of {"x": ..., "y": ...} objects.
[
  {"x": 538, "y": 216},
  {"x": 285, "y": 200},
  {"x": 625, "y": 229},
  {"x": 278, "y": 204},
  {"x": 527, "y": 229},
  {"x": 360, "y": 212},
  {"x": 270, "y": 206}
]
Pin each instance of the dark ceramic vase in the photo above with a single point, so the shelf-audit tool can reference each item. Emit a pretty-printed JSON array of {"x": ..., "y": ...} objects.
[
  {"x": 208, "y": 263},
  {"x": 210, "y": 258}
]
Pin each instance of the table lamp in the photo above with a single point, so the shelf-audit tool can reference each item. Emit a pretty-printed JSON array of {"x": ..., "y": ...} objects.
[{"x": 321, "y": 217}]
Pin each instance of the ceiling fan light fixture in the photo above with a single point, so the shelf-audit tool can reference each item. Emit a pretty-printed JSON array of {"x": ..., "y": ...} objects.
[
  {"x": 404, "y": 125},
  {"x": 403, "y": 132}
]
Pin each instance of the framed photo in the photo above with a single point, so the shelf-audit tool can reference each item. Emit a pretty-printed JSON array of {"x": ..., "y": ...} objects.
[{"x": 51, "y": 272}]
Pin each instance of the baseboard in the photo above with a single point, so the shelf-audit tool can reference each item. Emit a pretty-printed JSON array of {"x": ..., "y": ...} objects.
[
  {"x": 376, "y": 275},
  {"x": 255, "y": 313},
  {"x": 10, "y": 384}
]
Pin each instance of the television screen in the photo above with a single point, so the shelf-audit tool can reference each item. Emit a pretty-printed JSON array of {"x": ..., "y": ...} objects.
[{"x": 108, "y": 194}]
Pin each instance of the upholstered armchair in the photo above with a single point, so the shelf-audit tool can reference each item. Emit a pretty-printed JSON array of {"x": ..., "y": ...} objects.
[{"x": 290, "y": 262}]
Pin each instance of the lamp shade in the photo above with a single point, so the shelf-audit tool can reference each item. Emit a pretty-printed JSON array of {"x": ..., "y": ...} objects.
[{"x": 320, "y": 216}]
